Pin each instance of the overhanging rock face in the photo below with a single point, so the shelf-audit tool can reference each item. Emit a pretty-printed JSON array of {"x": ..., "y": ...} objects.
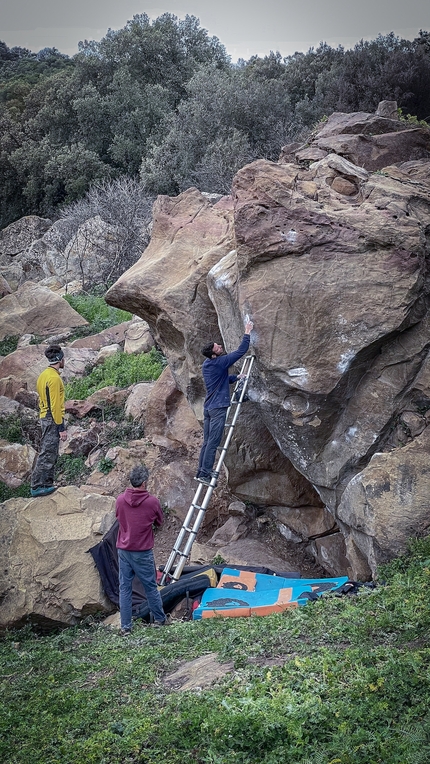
[{"x": 331, "y": 262}]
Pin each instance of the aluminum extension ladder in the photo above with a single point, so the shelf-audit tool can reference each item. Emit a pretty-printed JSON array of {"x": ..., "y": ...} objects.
[{"x": 196, "y": 512}]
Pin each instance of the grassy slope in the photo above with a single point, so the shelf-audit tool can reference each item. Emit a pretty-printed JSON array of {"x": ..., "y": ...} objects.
[{"x": 349, "y": 683}]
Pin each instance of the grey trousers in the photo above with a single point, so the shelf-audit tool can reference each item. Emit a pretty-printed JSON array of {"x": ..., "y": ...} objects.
[{"x": 44, "y": 468}]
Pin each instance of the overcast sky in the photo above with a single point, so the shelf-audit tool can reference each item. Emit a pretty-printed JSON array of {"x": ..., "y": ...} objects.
[{"x": 245, "y": 27}]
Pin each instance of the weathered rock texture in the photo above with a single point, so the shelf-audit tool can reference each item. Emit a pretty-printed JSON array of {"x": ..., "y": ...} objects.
[
  {"x": 27, "y": 363},
  {"x": 330, "y": 259},
  {"x": 33, "y": 248},
  {"x": 46, "y": 573},
  {"x": 34, "y": 308}
]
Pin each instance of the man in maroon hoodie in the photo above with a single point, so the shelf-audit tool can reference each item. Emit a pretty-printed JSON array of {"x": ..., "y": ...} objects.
[{"x": 137, "y": 511}]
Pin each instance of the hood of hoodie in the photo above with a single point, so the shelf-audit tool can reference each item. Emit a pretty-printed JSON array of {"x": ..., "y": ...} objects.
[{"x": 135, "y": 496}]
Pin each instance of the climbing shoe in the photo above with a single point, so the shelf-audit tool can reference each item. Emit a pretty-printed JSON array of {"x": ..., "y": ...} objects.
[{"x": 43, "y": 490}]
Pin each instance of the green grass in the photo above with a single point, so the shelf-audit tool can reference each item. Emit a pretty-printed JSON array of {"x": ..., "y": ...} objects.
[
  {"x": 120, "y": 370},
  {"x": 344, "y": 680},
  {"x": 105, "y": 465},
  {"x": 97, "y": 312}
]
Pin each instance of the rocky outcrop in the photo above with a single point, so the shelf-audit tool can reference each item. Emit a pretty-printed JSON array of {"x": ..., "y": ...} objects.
[
  {"x": 34, "y": 308},
  {"x": 190, "y": 235},
  {"x": 330, "y": 259},
  {"x": 59, "y": 255},
  {"x": 27, "y": 363},
  {"x": 369, "y": 141},
  {"x": 16, "y": 462},
  {"x": 47, "y": 575},
  {"x": 17, "y": 237},
  {"x": 387, "y": 503},
  {"x": 16, "y": 241}
]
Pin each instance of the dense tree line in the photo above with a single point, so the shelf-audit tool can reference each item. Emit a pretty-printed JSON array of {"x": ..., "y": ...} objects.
[{"x": 161, "y": 101}]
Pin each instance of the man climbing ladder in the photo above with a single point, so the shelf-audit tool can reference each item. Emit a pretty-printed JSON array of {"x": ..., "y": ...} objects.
[
  {"x": 217, "y": 381},
  {"x": 196, "y": 512}
]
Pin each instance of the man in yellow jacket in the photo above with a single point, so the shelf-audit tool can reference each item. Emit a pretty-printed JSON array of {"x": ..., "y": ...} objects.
[{"x": 50, "y": 389}]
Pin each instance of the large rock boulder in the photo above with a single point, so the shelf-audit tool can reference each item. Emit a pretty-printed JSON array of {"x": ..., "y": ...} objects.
[
  {"x": 34, "y": 308},
  {"x": 387, "y": 503},
  {"x": 47, "y": 575},
  {"x": 16, "y": 462},
  {"x": 16, "y": 237},
  {"x": 27, "y": 363},
  {"x": 329, "y": 260},
  {"x": 16, "y": 240},
  {"x": 137, "y": 401},
  {"x": 190, "y": 235}
]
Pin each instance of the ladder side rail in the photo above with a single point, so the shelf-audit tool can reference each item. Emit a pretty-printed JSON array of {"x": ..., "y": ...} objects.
[
  {"x": 186, "y": 528},
  {"x": 192, "y": 534},
  {"x": 181, "y": 534}
]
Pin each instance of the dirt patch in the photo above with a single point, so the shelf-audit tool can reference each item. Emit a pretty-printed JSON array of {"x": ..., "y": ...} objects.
[
  {"x": 199, "y": 673},
  {"x": 295, "y": 555}
]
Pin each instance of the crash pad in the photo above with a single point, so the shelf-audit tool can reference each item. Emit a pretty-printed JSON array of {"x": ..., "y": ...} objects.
[{"x": 243, "y": 593}]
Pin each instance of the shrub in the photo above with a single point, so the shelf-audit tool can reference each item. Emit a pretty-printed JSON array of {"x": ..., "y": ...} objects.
[
  {"x": 71, "y": 470},
  {"x": 10, "y": 429},
  {"x": 120, "y": 370},
  {"x": 122, "y": 203},
  {"x": 8, "y": 345},
  {"x": 12, "y": 493},
  {"x": 20, "y": 428},
  {"x": 105, "y": 465}
]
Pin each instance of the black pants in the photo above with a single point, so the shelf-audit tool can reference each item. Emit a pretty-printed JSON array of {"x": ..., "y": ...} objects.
[
  {"x": 213, "y": 429},
  {"x": 44, "y": 469}
]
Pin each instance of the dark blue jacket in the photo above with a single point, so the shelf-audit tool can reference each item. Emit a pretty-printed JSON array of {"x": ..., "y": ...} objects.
[{"x": 217, "y": 379}]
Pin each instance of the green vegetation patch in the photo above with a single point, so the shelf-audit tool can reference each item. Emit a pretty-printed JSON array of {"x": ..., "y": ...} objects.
[
  {"x": 120, "y": 370},
  {"x": 97, "y": 312},
  {"x": 343, "y": 680},
  {"x": 22, "y": 491},
  {"x": 71, "y": 470},
  {"x": 8, "y": 345},
  {"x": 11, "y": 429},
  {"x": 20, "y": 428}
]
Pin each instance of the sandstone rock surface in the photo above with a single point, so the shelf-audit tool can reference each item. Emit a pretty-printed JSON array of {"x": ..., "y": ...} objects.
[
  {"x": 47, "y": 575},
  {"x": 330, "y": 261},
  {"x": 34, "y": 308},
  {"x": 16, "y": 462},
  {"x": 27, "y": 363},
  {"x": 138, "y": 338},
  {"x": 16, "y": 237}
]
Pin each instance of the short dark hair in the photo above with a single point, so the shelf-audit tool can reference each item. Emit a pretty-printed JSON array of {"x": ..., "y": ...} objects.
[
  {"x": 139, "y": 475},
  {"x": 54, "y": 354},
  {"x": 208, "y": 350}
]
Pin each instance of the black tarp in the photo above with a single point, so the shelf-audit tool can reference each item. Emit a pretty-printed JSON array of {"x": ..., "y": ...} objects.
[{"x": 193, "y": 581}]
